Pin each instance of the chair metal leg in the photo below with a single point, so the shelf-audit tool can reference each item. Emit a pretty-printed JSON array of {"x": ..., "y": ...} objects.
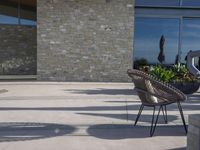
[
  {"x": 164, "y": 113},
  {"x": 153, "y": 125},
  {"x": 152, "y": 121},
  {"x": 139, "y": 113},
  {"x": 182, "y": 116}
]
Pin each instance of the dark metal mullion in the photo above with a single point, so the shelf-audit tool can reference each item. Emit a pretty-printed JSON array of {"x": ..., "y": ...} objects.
[{"x": 19, "y": 12}]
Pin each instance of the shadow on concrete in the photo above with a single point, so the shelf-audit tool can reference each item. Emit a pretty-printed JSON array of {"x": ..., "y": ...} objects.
[
  {"x": 21, "y": 131},
  {"x": 121, "y": 116},
  {"x": 125, "y": 101},
  {"x": 193, "y": 98},
  {"x": 143, "y": 118},
  {"x": 172, "y": 107},
  {"x": 3, "y": 91},
  {"x": 181, "y": 148},
  {"x": 116, "y": 132},
  {"x": 87, "y": 108},
  {"x": 104, "y": 91},
  {"x": 130, "y": 106}
]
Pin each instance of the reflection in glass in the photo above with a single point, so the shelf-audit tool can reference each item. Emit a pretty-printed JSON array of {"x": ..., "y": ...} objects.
[
  {"x": 158, "y": 2},
  {"x": 8, "y": 13},
  {"x": 8, "y": 20},
  {"x": 28, "y": 14},
  {"x": 18, "y": 45},
  {"x": 28, "y": 22},
  {"x": 191, "y": 36},
  {"x": 13, "y": 12},
  {"x": 195, "y": 3},
  {"x": 148, "y": 32}
]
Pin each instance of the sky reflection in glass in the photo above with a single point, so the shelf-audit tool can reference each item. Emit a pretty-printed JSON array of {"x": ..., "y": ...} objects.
[
  {"x": 195, "y": 3},
  {"x": 14, "y": 20},
  {"x": 28, "y": 22},
  {"x": 191, "y": 36},
  {"x": 148, "y": 32},
  {"x": 8, "y": 19},
  {"x": 158, "y": 2}
]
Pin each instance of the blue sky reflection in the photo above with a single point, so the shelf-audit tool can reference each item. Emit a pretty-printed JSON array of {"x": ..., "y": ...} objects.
[
  {"x": 148, "y": 32},
  {"x": 14, "y": 20},
  {"x": 191, "y": 3},
  {"x": 8, "y": 19},
  {"x": 191, "y": 36},
  {"x": 158, "y": 2}
]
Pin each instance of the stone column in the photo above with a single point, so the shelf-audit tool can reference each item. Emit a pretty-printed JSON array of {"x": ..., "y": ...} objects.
[
  {"x": 84, "y": 40},
  {"x": 193, "y": 137}
]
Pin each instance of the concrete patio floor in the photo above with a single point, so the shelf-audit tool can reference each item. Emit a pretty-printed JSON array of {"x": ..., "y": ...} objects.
[{"x": 84, "y": 116}]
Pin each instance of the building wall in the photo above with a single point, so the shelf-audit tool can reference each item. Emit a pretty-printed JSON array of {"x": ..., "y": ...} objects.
[
  {"x": 84, "y": 40},
  {"x": 18, "y": 50}
]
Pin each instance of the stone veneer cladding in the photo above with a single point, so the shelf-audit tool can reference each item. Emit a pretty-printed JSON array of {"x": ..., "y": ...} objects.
[
  {"x": 84, "y": 40},
  {"x": 18, "y": 50},
  {"x": 193, "y": 136}
]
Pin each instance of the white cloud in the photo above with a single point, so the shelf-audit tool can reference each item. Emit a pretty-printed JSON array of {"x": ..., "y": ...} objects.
[
  {"x": 192, "y": 25},
  {"x": 190, "y": 34}
]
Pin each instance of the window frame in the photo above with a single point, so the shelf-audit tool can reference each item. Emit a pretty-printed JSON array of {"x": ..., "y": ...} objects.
[
  {"x": 19, "y": 10},
  {"x": 181, "y": 2},
  {"x": 143, "y": 11}
]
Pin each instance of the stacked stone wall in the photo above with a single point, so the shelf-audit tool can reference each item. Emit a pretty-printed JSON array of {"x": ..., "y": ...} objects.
[{"x": 84, "y": 40}]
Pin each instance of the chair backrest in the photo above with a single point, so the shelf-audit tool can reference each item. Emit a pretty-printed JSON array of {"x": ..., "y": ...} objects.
[{"x": 153, "y": 91}]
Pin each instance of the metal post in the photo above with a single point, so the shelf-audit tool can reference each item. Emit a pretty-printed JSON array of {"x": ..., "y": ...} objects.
[
  {"x": 153, "y": 125},
  {"x": 139, "y": 113},
  {"x": 182, "y": 116}
]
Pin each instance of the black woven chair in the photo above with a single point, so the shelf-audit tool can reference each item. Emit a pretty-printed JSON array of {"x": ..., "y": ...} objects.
[{"x": 156, "y": 94}]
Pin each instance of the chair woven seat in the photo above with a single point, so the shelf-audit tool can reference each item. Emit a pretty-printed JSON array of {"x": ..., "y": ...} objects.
[{"x": 153, "y": 92}]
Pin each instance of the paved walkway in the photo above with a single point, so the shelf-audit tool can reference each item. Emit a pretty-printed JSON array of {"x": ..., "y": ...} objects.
[{"x": 83, "y": 116}]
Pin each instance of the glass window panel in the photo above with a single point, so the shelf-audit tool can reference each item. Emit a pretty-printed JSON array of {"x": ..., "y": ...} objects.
[
  {"x": 148, "y": 32},
  {"x": 195, "y": 3},
  {"x": 170, "y": 12},
  {"x": 18, "y": 51},
  {"x": 8, "y": 20},
  {"x": 190, "y": 37},
  {"x": 158, "y": 2},
  {"x": 28, "y": 13},
  {"x": 18, "y": 58},
  {"x": 28, "y": 22},
  {"x": 8, "y": 12}
]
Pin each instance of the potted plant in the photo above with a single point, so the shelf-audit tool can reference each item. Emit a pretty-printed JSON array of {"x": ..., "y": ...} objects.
[
  {"x": 140, "y": 63},
  {"x": 178, "y": 76}
]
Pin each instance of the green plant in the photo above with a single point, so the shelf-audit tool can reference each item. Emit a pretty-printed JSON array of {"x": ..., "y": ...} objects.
[
  {"x": 180, "y": 69},
  {"x": 162, "y": 73},
  {"x": 183, "y": 74},
  {"x": 176, "y": 73}
]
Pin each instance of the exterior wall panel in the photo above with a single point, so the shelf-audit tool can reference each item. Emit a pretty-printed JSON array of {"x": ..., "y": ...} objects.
[
  {"x": 84, "y": 40},
  {"x": 18, "y": 50}
]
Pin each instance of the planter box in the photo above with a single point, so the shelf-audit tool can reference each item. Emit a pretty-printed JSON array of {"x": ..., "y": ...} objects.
[{"x": 187, "y": 88}]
